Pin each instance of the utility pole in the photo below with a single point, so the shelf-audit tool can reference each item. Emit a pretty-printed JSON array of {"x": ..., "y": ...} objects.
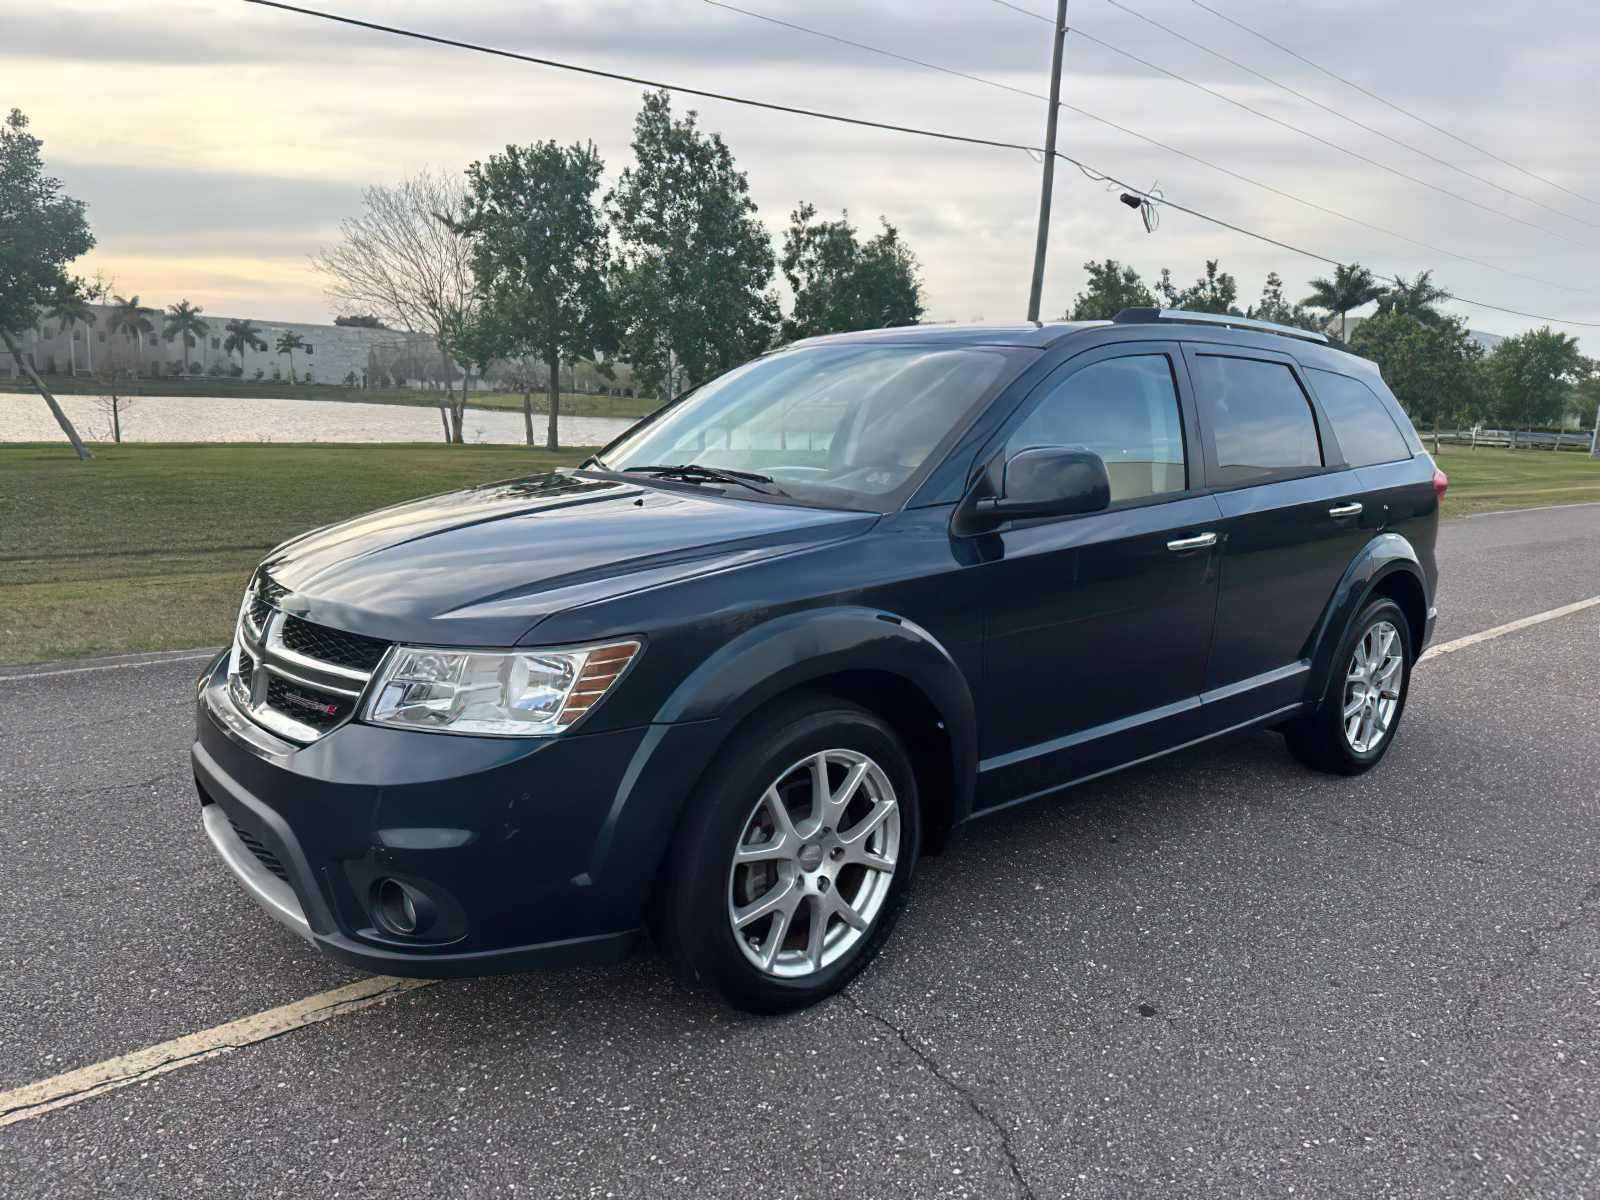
[
  {"x": 1594, "y": 438},
  {"x": 1048, "y": 183}
]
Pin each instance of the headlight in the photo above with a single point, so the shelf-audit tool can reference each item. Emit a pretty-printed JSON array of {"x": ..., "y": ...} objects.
[{"x": 512, "y": 694}]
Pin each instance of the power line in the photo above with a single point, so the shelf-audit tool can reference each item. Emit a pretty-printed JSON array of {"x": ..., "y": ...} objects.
[
  {"x": 840, "y": 118},
  {"x": 1371, "y": 95},
  {"x": 1083, "y": 112},
  {"x": 1328, "y": 108},
  {"x": 1306, "y": 133},
  {"x": 1169, "y": 203},
  {"x": 438, "y": 40}
]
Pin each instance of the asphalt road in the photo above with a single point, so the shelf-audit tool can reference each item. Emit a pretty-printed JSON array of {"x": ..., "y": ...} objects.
[{"x": 1217, "y": 975}]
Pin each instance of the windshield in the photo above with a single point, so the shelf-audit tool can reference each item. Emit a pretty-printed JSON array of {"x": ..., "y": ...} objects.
[{"x": 836, "y": 424}]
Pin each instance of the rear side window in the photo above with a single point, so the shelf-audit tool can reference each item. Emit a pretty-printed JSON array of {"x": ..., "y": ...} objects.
[
  {"x": 1259, "y": 418},
  {"x": 1367, "y": 433},
  {"x": 1126, "y": 411}
]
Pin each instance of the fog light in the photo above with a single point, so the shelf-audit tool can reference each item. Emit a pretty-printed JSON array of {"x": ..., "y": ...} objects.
[{"x": 397, "y": 908}]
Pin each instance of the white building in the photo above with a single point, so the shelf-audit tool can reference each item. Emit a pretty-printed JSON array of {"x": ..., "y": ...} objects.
[{"x": 331, "y": 354}]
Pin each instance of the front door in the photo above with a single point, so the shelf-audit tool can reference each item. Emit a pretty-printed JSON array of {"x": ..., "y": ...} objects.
[{"x": 1098, "y": 627}]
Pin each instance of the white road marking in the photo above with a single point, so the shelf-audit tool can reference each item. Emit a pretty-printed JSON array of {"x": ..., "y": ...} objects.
[
  {"x": 1511, "y": 512},
  {"x": 145, "y": 662},
  {"x": 1472, "y": 639},
  {"x": 35, "y": 1099}
]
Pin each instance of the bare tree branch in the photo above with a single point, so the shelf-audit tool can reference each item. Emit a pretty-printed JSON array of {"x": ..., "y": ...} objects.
[{"x": 403, "y": 260}]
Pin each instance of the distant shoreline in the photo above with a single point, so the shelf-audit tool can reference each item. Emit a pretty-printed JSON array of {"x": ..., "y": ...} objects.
[{"x": 576, "y": 404}]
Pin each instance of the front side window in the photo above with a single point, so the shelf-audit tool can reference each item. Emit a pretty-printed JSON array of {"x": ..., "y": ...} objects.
[
  {"x": 842, "y": 424},
  {"x": 1367, "y": 433},
  {"x": 1126, "y": 411},
  {"x": 1259, "y": 418}
]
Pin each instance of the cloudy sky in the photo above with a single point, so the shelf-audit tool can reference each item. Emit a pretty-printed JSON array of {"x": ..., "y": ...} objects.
[{"x": 218, "y": 144}]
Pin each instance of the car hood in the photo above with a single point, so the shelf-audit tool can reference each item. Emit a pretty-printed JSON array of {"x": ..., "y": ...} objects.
[{"x": 484, "y": 565}]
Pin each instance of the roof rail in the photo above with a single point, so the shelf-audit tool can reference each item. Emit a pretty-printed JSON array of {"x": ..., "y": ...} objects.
[{"x": 1148, "y": 316}]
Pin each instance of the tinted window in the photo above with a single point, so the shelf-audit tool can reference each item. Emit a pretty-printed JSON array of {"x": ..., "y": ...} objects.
[
  {"x": 1367, "y": 433},
  {"x": 1259, "y": 419},
  {"x": 1126, "y": 411},
  {"x": 829, "y": 422}
]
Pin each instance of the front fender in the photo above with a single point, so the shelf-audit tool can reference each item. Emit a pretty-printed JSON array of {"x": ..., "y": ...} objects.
[
  {"x": 759, "y": 665},
  {"x": 1381, "y": 557},
  {"x": 805, "y": 647}
]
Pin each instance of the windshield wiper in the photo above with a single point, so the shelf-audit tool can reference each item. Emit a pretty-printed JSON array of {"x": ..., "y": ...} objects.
[{"x": 694, "y": 472}]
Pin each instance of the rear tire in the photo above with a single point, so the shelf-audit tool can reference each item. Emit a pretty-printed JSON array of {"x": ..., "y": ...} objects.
[
  {"x": 780, "y": 890},
  {"x": 1353, "y": 726}
]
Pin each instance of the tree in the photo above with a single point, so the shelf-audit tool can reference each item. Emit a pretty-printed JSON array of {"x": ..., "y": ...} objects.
[
  {"x": 1433, "y": 368},
  {"x": 360, "y": 321},
  {"x": 1166, "y": 290},
  {"x": 406, "y": 261},
  {"x": 288, "y": 343},
  {"x": 1350, "y": 288},
  {"x": 112, "y": 406},
  {"x": 131, "y": 317},
  {"x": 1530, "y": 374},
  {"x": 1414, "y": 298},
  {"x": 1274, "y": 307},
  {"x": 1213, "y": 292},
  {"x": 695, "y": 268},
  {"x": 841, "y": 284},
  {"x": 70, "y": 308},
  {"x": 522, "y": 373},
  {"x": 184, "y": 321},
  {"x": 541, "y": 255},
  {"x": 41, "y": 232},
  {"x": 242, "y": 335},
  {"x": 1112, "y": 287}
]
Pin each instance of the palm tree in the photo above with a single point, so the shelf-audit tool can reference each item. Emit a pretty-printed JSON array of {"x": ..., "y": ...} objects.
[
  {"x": 129, "y": 316},
  {"x": 288, "y": 343},
  {"x": 243, "y": 335},
  {"x": 183, "y": 321},
  {"x": 1350, "y": 287},
  {"x": 1414, "y": 299},
  {"x": 69, "y": 308}
]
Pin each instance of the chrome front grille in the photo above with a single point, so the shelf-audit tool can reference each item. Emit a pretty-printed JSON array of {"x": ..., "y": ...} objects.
[{"x": 294, "y": 677}]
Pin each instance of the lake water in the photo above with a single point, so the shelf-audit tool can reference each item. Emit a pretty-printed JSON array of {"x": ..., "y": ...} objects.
[{"x": 25, "y": 418}]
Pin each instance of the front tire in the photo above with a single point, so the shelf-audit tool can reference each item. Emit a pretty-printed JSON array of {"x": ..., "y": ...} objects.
[
  {"x": 793, "y": 861},
  {"x": 1353, "y": 727}
]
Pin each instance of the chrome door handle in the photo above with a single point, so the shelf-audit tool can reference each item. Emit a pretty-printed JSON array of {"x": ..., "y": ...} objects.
[
  {"x": 1198, "y": 542},
  {"x": 1353, "y": 509}
]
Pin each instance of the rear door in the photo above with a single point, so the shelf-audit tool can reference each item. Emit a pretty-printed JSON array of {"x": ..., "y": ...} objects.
[
  {"x": 1098, "y": 626},
  {"x": 1293, "y": 518}
]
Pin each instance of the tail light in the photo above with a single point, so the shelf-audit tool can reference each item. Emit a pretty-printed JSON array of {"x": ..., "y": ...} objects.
[{"x": 1440, "y": 482}]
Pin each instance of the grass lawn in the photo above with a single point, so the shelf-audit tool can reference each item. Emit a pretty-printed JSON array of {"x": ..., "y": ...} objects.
[
  {"x": 573, "y": 404},
  {"x": 1489, "y": 480},
  {"x": 149, "y": 547}
]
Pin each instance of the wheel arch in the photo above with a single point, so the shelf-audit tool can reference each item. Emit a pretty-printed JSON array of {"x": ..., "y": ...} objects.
[
  {"x": 878, "y": 660},
  {"x": 1388, "y": 566}
]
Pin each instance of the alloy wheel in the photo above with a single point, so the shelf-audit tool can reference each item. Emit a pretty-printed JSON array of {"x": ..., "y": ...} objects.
[
  {"x": 814, "y": 863},
  {"x": 1372, "y": 687}
]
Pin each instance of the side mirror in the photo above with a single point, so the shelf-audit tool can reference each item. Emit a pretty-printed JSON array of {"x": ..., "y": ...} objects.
[{"x": 1049, "y": 481}]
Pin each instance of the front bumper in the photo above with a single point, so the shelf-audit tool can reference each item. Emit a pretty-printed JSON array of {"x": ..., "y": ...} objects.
[{"x": 529, "y": 852}]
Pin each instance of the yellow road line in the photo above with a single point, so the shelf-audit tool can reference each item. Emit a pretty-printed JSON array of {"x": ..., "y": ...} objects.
[{"x": 35, "y": 1099}]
